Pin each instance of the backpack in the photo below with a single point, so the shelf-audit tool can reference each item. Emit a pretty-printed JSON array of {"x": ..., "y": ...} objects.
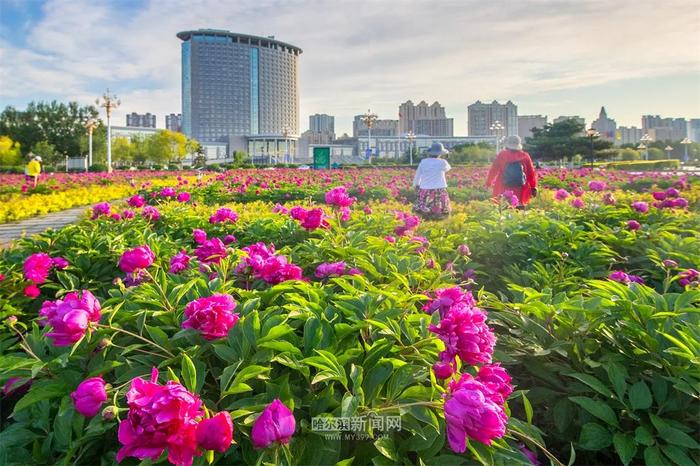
[{"x": 513, "y": 175}]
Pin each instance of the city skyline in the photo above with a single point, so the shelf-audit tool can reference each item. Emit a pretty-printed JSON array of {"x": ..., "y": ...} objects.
[{"x": 551, "y": 58}]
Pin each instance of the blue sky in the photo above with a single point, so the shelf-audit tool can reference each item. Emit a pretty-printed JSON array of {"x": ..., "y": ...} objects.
[{"x": 548, "y": 56}]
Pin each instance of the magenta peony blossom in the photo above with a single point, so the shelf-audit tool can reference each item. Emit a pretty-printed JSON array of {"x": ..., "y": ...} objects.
[
  {"x": 497, "y": 380},
  {"x": 470, "y": 412},
  {"x": 669, "y": 263},
  {"x": 619, "y": 276},
  {"x": 633, "y": 225},
  {"x": 577, "y": 191},
  {"x": 448, "y": 298},
  {"x": 331, "y": 269},
  {"x": 640, "y": 206},
  {"x": 70, "y": 317},
  {"x": 390, "y": 239},
  {"x": 314, "y": 219},
  {"x": 215, "y": 433},
  {"x": 672, "y": 192},
  {"x": 89, "y": 396},
  {"x": 183, "y": 197},
  {"x": 464, "y": 331},
  {"x": 276, "y": 424},
  {"x": 224, "y": 214},
  {"x": 37, "y": 267},
  {"x": 200, "y": 236},
  {"x": 298, "y": 213},
  {"x": 609, "y": 199},
  {"x": 529, "y": 454},
  {"x": 596, "y": 186},
  {"x": 228, "y": 239},
  {"x": 179, "y": 262},
  {"x": 31, "y": 291},
  {"x": 578, "y": 203},
  {"x": 168, "y": 192},
  {"x": 463, "y": 250},
  {"x": 160, "y": 417},
  {"x": 60, "y": 263},
  {"x": 367, "y": 210},
  {"x": 136, "y": 201},
  {"x": 444, "y": 369},
  {"x": 561, "y": 194},
  {"x": 339, "y": 197},
  {"x": 128, "y": 213},
  {"x": 102, "y": 208},
  {"x": 211, "y": 251},
  {"x": 150, "y": 213},
  {"x": 659, "y": 195},
  {"x": 140, "y": 257},
  {"x": 213, "y": 316},
  {"x": 680, "y": 203},
  {"x": 689, "y": 277},
  {"x": 280, "y": 209}
]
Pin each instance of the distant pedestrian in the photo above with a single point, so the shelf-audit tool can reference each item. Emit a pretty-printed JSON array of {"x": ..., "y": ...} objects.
[
  {"x": 513, "y": 171},
  {"x": 432, "y": 200},
  {"x": 33, "y": 169}
]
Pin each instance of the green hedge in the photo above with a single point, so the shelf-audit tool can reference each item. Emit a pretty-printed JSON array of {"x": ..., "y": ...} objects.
[{"x": 668, "y": 164}]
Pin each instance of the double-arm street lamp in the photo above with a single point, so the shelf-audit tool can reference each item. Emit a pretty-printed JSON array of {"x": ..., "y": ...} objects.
[
  {"x": 592, "y": 134},
  {"x": 685, "y": 142},
  {"x": 496, "y": 129},
  {"x": 110, "y": 103},
  {"x": 668, "y": 150},
  {"x": 411, "y": 136},
  {"x": 90, "y": 124},
  {"x": 369, "y": 119},
  {"x": 644, "y": 141}
]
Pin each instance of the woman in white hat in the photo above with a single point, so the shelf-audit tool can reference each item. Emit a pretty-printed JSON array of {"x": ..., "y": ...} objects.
[
  {"x": 432, "y": 199},
  {"x": 513, "y": 171},
  {"x": 33, "y": 169}
]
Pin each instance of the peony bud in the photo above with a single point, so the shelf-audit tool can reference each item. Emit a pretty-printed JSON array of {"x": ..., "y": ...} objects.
[
  {"x": 275, "y": 424},
  {"x": 89, "y": 396},
  {"x": 215, "y": 433}
]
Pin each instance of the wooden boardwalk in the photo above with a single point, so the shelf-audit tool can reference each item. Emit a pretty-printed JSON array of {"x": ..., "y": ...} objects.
[{"x": 15, "y": 230}]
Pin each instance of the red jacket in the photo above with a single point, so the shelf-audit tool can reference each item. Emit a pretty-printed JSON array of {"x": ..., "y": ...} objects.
[{"x": 495, "y": 175}]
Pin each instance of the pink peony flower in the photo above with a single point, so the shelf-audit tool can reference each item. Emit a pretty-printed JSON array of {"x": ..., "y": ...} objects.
[
  {"x": 314, "y": 219},
  {"x": 689, "y": 277},
  {"x": 102, "y": 208},
  {"x": 60, "y": 263},
  {"x": 367, "y": 210},
  {"x": 211, "y": 251},
  {"x": 330, "y": 269},
  {"x": 136, "y": 201},
  {"x": 680, "y": 203},
  {"x": 160, "y": 417},
  {"x": 276, "y": 424},
  {"x": 179, "y": 262},
  {"x": 672, "y": 192},
  {"x": 578, "y": 203},
  {"x": 183, "y": 197},
  {"x": 37, "y": 267},
  {"x": 70, "y": 317},
  {"x": 633, "y": 225},
  {"x": 659, "y": 195},
  {"x": 596, "y": 186},
  {"x": 213, "y": 316},
  {"x": 280, "y": 209},
  {"x": 609, "y": 199},
  {"x": 464, "y": 331},
  {"x": 200, "y": 236},
  {"x": 140, "y": 257},
  {"x": 128, "y": 213},
  {"x": 168, "y": 192},
  {"x": 561, "y": 194},
  {"x": 448, "y": 298},
  {"x": 577, "y": 191},
  {"x": 463, "y": 250},
  {"x": 89, "y": 396},
  {"x": 444, "y": 369},
  {"x": 640, "y": 206},
  {"x": 224, "y": 214},
  {"x": 339, "y": 197},
  {"x": 497, "y": 380},
  {"x": 31, "y": 291},
  {"x": 390, "y": 239},
  {"x": 215, "y": 433},
  {"x": 298, "y": 213},
  {"x": 669, "y": 263},
  {"x": 150, "y": 213},
  {"x": 228, "y": 239},
  {"x": 469, "y": 412}
]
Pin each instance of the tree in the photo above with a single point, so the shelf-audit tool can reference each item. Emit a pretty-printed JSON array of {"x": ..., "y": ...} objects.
[
  {"x": 629, "y": 154},
  {"x": 472, "y": 153},
  {"x": 10, "y": 151},
  {"x": 166, "y": 146},
  {"x": 239, "y": 157},
  {"x": 122, "y": 150},
  {"x": 99, "y": 144},
  {"x": 59, "y": 124},
  {"x": 563, "y": 140},
  {"x": 47, "y": 152}
]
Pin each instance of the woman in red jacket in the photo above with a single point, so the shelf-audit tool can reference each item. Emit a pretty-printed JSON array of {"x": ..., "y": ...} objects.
[{"x": 513, "y": 171}]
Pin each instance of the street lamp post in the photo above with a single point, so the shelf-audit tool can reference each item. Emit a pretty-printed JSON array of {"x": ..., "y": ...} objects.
[
  {"x": 110, "y": 103},
  {"x": 592, "y": 134},
  {"x": 685, "y": 143},
  {"x": 641, "y": 147},
  {"x": 411, "y": 136},
  {"x": 497, "y": 127},
  {"x": 90, "y": 125},
  {"x": 285, "y": 133},
  {"x": 668, "y": 150},
  {"x": 368, "y": 119},
  {"x": 645, "y": 140}
]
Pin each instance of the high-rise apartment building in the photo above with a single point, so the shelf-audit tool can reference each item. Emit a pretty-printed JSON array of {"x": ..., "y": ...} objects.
[
  {"x": 239, "y": 89},
  {"x": 605, "y": 126},
  {"x": 173, "y": 122},
  {"x": 527, "y": 122},
  {"x": 379, "y": 128},
  {"x": 673, "y": 129},
  {"x": 137, "y": 120},
  {"x": 429, "y": 120},
  {"x": 694, "y": 129},
  {"x": 481, "y": 117},
  {"x": 322, "y": 123},
  {"x": 628, "y": 135}
]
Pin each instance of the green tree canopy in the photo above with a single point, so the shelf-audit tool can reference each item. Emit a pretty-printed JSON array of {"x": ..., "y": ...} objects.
[
  {"x": 10, "y": 152},
  {"x": 57, "y": 123},
  {"x": 563, "y": 140},
  {"x": 47, "y": 152}
]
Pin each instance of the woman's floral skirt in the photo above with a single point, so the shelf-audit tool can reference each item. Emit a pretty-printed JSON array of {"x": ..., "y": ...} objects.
[{"x": 432, "y": 203}]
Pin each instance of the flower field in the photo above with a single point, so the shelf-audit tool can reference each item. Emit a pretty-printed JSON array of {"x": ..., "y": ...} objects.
[{"x": 307, "y": 318}]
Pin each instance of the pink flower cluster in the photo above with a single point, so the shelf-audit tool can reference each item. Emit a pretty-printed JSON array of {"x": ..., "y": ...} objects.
[
  {"x": 213, "y": 316},
  {"x": 100, "y": 209},
  {"x": 179, "y": 262},
  {"x": 89, "y": 396},
  {"x": 262, "y": 263},
  {"x": 339, "y": 197},
  {"x": 224, "y": 214},
  {"x": 447, "y": 298},
  {"x": 474, "y": 407},
  {"x": 210, "y": 251},
  {"x": 150, "y": 213},
  {"x": 309, "y": 219},
  {"x": 139, "y": 258},
  {"x": 335, "y": 269},
  {"x": 596, "y": 186},
  {"x": 689, "y": 277},
  {"x": 561, "y": 194},
  {"x": 410, "y": 223},
  {"x": 623, "y": 277},
  {"x": 38, "y": 265},
  {"x": 136, "y": 201},
  {"x": 70, "y": 317}
]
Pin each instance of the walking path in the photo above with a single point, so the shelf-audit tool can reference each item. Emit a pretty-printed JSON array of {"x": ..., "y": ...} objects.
[{"x": 15, "y": 230}]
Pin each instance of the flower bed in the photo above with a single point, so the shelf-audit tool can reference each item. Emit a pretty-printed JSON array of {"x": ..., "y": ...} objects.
[{"x": 306, "y": 332}]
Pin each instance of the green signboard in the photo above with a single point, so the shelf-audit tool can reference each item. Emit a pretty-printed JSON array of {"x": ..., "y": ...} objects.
[{"x": 322, "y": 157}]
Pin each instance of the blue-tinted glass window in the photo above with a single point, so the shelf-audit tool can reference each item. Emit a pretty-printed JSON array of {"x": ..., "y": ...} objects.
[{"x": 254, "y": 92}]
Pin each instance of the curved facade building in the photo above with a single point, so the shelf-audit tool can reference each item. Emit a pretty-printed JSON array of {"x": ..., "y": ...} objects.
[{"x": 238, "y": 88}]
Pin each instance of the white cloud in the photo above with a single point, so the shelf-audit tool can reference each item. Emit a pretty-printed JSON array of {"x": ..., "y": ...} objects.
[{"x": 360, "y": 54}]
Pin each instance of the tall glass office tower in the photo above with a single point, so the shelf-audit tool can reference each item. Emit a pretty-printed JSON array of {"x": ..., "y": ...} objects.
[{"x": 236, "y": 87}]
